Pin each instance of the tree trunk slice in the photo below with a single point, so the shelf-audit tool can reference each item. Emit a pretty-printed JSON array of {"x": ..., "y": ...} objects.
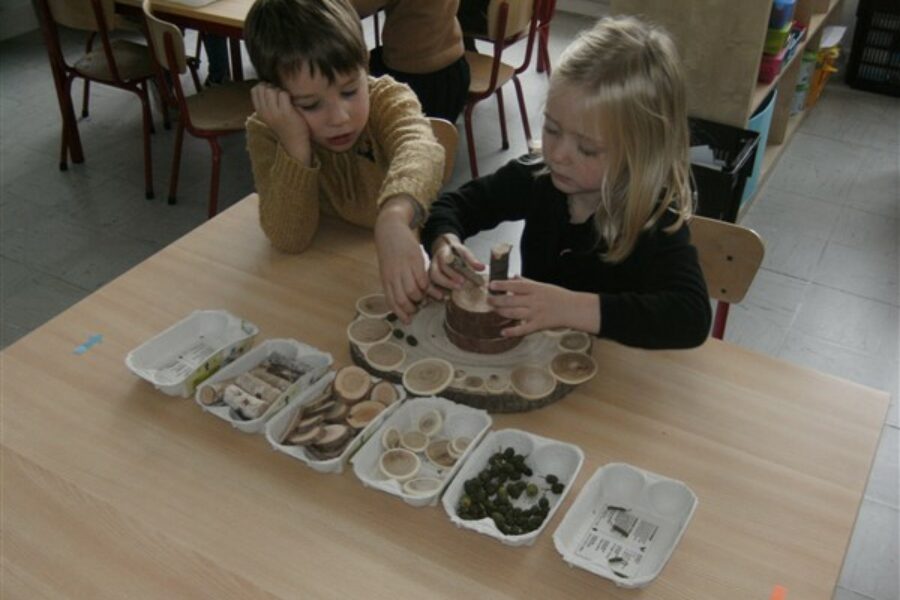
[
  {"x": 472, "y": 324},
  {"x": 479, "y": 380},
  {"x": 352, "y": 384}
]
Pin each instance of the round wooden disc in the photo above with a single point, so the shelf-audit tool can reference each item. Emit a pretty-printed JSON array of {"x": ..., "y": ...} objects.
[
  {"x": 385, "y": 356},
  {"x": 352, "y": 384},
  {"x": 575, "y": 341},
  {"x": 496, "y": 382},
  {"x": 428, "y": 376},
  {"x": 532, "y": 382},
  {"x": 573, "y": 367},
  {"x": 367, "y": 330},
  {"x": 373, "y": 305}
]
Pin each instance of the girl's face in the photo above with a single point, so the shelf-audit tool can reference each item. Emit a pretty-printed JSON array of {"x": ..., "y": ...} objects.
[
  {"x": 577, "y": 162},
  {"x": 335, "y": 112}
]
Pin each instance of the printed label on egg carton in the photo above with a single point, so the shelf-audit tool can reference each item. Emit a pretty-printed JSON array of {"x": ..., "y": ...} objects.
[{"x": 618, "y": 537}]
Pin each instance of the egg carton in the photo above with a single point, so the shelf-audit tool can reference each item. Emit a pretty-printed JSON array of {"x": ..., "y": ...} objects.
[
  {"x": 544, "y": 456},
  {"x": 176, "y": 360},
  {"x": 456, "y": 422},
  {"x": 314, "y": 361},
  {"x": 275, "y": 429},
  {"x": 625, "y": 524}
]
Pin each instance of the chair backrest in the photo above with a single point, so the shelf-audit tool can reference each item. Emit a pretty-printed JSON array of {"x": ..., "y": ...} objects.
[
  {"x": 156, "y": 34},
  {"x": 518, "y": 19},
  {"x": 80, "y": 14},
  {"x": 448, "y": 137},
  {"x": 730, "y": 256}
]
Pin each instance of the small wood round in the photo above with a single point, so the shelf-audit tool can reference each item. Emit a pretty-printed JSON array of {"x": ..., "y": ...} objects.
[
  {"x": 532, "y": 382},
  {"x": 573, "y": 367},
  {"x": 363, "y": 413},
  {"x": 428, "y": 376},
  {"x": 352, "y": 384},
  {"x": 384, "y": 392},
  {"x": 373, "y": 305},
  {"x": 367, "y": 330},
  {"x": 399, "y": 464},
  {"x": 575, "y": 341},
  {"x": 471, "y": 324},
  {"x": 335, "y": 437},
  {"x": 386, "y": 356}
]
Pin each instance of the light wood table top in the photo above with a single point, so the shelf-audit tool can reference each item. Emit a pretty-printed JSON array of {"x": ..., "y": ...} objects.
[
  {"x": 111, "y": 489},
  {"x": 225, "y": 17}
]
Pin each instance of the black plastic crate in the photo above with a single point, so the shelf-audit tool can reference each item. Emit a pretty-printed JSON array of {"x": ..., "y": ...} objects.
[
  {"x": 719, "y": 191},
  {"x": 875, "y": 57}
]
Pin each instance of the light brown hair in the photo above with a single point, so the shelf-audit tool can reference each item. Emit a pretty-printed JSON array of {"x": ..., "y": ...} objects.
[
  {"x": 284, "y": 36},
  {"x": 633, "y": 85}
]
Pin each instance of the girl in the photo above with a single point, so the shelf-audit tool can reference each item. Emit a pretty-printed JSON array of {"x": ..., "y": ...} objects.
[{"x": 606, "y": 247}]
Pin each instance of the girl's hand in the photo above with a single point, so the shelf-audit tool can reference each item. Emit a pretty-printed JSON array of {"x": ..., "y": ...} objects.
[
  {"x": 538, "y": 306},
  {"x": 441, "y": 272},
  {"x": 401, "y": 263},
  {"x": 274, "y": 108}
]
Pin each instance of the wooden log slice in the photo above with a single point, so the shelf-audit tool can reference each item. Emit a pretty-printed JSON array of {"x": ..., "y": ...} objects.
[
  {"x": 373, "y": 305},
  {"x": 575, "y": 341},
  {"x": 386, "y": 356},
  {"x": 532, "y": 382},
  {"x": 352, "y": 384},
  {"x": 573, "y": 367},
  {"x": 428, "y": 376},
  {"x": 367, "y": 330},
  {"x": 384, "y": 392},
  {"x": 363, "y": 413}
]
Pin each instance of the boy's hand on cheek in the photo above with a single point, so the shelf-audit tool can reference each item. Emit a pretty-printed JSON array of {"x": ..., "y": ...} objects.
[
  {"x": 538, "y": 306},
  {"x": 274, "y": 108}
]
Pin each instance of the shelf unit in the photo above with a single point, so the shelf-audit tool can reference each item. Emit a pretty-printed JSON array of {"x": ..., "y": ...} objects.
[{"x": 721, "y": 45}]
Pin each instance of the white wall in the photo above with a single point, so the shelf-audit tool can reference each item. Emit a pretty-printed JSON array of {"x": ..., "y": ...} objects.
[
  {"x": 591, "y": 8},
  {"x": 16, "y": 17}
]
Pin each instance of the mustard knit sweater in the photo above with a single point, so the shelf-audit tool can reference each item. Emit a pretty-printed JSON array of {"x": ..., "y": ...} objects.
[{"x": 397, "y": 153}]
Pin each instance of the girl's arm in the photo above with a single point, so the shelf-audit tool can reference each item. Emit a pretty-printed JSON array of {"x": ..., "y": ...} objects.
[
  {"x": 483, "y": 203},
  {"x": 672, "y": 309}
]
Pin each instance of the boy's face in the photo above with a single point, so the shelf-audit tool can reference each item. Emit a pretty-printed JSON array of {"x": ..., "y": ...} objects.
[
  {"x": 576, "y": 161},
  {"x": 335, "y": 112}
]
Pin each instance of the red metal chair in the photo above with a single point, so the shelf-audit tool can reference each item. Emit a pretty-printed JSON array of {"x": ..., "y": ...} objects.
[
  {"x": 209, "y": 114},
  {"x": 122, "y": 64},
  {"x": 508, "y": 21}
]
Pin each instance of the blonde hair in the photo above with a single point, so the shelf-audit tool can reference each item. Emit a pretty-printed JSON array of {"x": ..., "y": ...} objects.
[{"x": 631, "y": 78}]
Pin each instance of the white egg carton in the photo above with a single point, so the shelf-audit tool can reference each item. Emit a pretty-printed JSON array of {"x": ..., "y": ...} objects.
[
  {"x": 545, "y": 456},
  {"x": 296, "y": 352},
  {"x": 625, "y": 524},
  {"x": 457, "y": 421},
  {"x": 185, "y": 354},
  {"x": 275, "y": 428}
]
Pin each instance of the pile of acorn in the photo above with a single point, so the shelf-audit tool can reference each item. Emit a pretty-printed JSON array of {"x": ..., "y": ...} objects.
[{"x": 508, "y": 492}]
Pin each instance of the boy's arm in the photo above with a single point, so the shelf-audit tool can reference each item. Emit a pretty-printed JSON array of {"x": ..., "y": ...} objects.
[
  {"x": 288, "y": 191},
  {"x": 416, "y": 159}
]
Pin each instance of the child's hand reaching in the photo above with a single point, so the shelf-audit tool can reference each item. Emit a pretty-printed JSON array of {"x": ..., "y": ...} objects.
[
  {"x": 400, "y": 259},
  {"x": 538, "y": 306},
  {"x": 274, "y": 108},
  {"x": 447, "y": 249}
]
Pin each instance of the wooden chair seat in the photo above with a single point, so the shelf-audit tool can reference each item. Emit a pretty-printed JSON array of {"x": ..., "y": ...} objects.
[
  {"x": 221, "y": 108},
  {"x": 133, "y": 62},
  {"x": 480, "y": 73}
]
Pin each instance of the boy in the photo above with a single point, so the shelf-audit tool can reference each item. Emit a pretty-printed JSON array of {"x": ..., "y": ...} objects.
[{"x": 326, "y": 136}]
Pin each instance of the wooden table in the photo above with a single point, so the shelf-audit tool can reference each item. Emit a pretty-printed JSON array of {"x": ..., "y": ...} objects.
[
  {"x": 220, "y": 17},
  {"x": 111, "y": 489}
]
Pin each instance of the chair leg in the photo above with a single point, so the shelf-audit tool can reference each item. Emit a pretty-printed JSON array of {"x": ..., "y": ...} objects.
[
  {"x": 148, "y": 152},
  {"x": 721, "y": 318},
  {"x": 71, "y": 140},
  {"x": 503, "y": 136},
  {"x": 64, "y": 149},
  {"x": 470, "y": 140},
  {"x": 214, "y": 177},
  {"x": 176, "y": 160},
  {"x": 86, "y": 98},
  {"x": 520, "y": 95}
]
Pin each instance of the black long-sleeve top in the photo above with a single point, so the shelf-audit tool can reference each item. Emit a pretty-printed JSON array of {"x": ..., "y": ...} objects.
[{"x": 655, "y": 298}]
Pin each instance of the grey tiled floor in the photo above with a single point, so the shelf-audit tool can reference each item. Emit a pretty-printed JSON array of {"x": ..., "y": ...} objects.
[{"x": 826, "y": 297}]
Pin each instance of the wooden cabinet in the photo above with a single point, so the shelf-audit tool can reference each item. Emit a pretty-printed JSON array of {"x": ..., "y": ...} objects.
[{"x": 721, "y": 45}]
